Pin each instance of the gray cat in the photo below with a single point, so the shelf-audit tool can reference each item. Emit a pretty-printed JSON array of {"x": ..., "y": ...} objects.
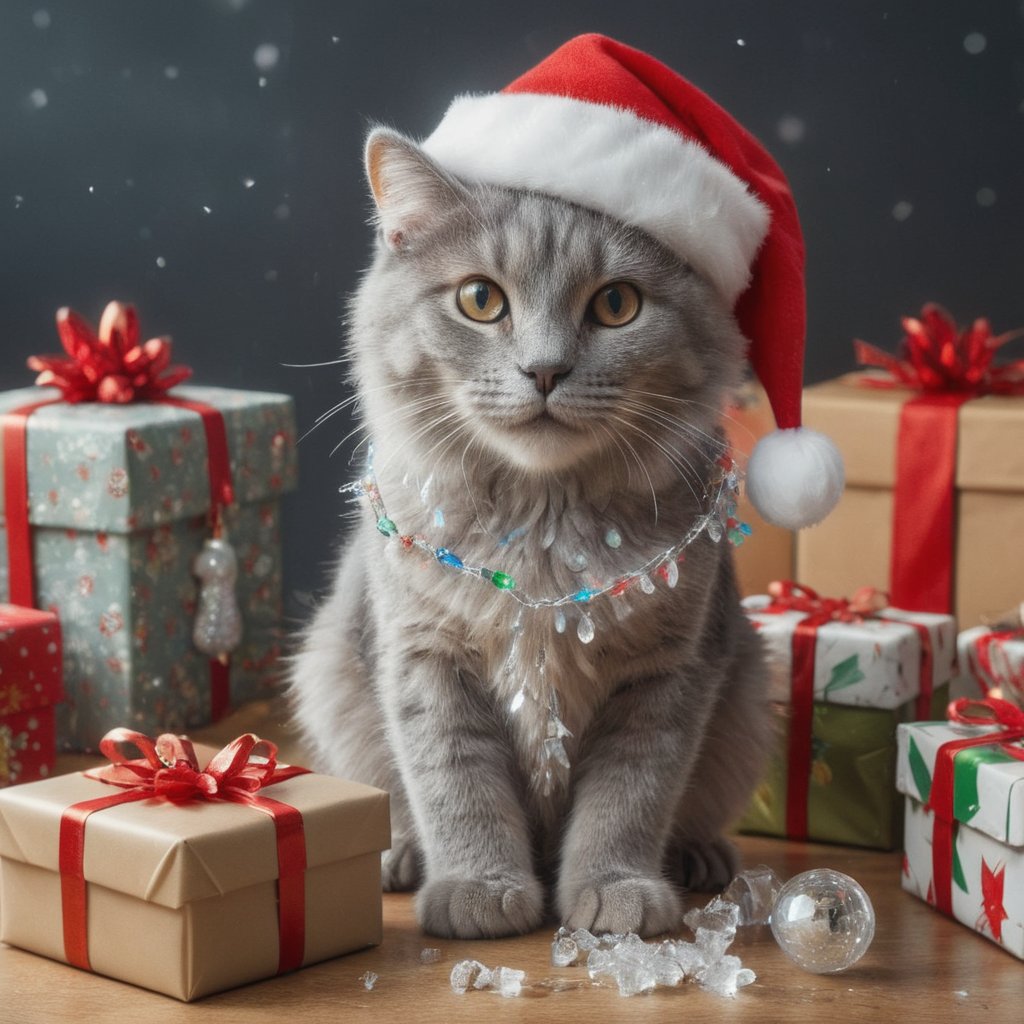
[{"x": 545, "y": 381}]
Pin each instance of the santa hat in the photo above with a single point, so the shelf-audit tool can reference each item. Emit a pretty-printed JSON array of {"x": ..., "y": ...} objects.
[{"x": 610, "y": 128}]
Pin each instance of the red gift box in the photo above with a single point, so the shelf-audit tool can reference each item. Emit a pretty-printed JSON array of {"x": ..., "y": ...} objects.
[{"x": 31, "y": 682}]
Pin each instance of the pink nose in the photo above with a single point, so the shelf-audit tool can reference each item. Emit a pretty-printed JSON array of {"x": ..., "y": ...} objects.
[{"x": 546, "y": 377}]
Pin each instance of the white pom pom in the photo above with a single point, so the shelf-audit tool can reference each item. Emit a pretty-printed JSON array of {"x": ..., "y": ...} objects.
[{"x": 795, "y": 477}]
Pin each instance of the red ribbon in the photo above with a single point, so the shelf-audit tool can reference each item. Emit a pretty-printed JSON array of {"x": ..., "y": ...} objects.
[
  {"x": 984, "y": 669},
  {"x": 108, "y": 367},
  {"x": 169, "y": 770},
  {"x": 865, "y": 603},
  {"x": 948, "y": 369},
  {"x": 990, "y": 711}
]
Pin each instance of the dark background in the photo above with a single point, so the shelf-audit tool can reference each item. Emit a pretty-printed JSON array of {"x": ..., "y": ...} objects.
[{"x": 120, "y": 120}]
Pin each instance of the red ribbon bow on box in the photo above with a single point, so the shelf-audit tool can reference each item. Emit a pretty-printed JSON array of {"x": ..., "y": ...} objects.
[
  {"x": 947, "y": 368},
  {"x": 965, "y": 711},
  {"x": 108, "y": 366},
  {"x": 169, "y": 770},
  {"x": 865, "y": 603}
]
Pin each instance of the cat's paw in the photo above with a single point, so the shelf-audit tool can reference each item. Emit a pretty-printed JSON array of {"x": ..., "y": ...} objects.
[
  {"x": 400, "y": 867},
  {"x": 634, "y": 903},
  {"x": 458, "y": 908},
  {"x": 704, "y": 865}
]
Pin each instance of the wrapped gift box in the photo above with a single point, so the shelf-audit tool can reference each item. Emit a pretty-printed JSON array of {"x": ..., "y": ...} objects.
[
  {"x": 853, "y": 546},
  {"x": 119, "y": 500},
  {"x": 991, "y": 660},
  {"x": 867, "y": 679},
  {"x": 983, "y": 877},
  {"x": 183, "y": 898},
  {"x": 768, "y": 554},
  {"x": 30, "y": 686}
]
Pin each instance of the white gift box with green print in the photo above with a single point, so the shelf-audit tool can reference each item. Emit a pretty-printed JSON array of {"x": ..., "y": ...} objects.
[
  {"x": 987, "y": 870},
  {"x": 990, "y": 659}
]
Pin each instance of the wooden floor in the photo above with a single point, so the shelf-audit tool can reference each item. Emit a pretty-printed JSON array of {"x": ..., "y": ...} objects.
[{"x": 921, "y": 966}]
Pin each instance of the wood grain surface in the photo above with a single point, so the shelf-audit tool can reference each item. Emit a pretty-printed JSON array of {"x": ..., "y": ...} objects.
[{"x": 921, "y": 966}]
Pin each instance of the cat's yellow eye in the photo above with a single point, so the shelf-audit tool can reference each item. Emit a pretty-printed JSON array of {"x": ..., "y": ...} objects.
[
  {"x": 481, "y": 300},
  {"x": 615, "y": 305}
]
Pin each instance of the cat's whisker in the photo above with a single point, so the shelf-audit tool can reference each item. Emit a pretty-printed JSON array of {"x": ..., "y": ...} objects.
[
  {"x": 676, "y": 461},
  {"x": 718, "y": 410},
  {"x": 682, "y": 425},
  {"x": 640, "y": 463},
  {"x": 664, "y": 422},
  {"x": 410, "y": 409}
]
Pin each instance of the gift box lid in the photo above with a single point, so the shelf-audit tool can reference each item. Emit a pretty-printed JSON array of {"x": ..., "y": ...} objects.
[
  {"x": 864, "y": 422},
  {"x": 31, "y": 667},
  {"x": 872, "y": 663},
  {"x": 988, "y": 783},
  {"x": 172, "y": 854},
  {"x": 119, "y": 468}
]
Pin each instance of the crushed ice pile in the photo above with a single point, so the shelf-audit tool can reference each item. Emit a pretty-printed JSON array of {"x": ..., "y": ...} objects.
[
  {"x": 636, "y": 966},
  {"x": 369, "y": 979},
  {"x": 430, "y": 955},
  {"x": 467, "y": 974}
]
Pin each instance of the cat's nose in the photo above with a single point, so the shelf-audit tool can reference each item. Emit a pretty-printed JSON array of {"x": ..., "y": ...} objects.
[{"x": 546, "y": 375}]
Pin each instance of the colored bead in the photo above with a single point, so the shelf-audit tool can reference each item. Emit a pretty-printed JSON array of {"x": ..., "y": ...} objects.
[
  {"x": 620, "y": 587},
  {"x": 559, "y": 621},
  {"x": 583, "y": 595},
  {"x": 646, "y": 584},
  {"x": 446, "y": 557},
  {"x": 517, "y": 701},
  {"x": 577, "y": 561},
  {"x": 503, "y": 581},
  {"x": 671, "y": 573},
  {"x": 613, "y": 539},
  {"x": 438, "y": 517},
  {"x": 387, "y": 526}
]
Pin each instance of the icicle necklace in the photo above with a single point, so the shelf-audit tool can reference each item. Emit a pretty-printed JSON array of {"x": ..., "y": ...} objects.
[{"x": 718, "y": 520}]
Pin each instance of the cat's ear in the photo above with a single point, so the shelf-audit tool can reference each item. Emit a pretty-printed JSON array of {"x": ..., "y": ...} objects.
[{"x": 412, "y": 193}]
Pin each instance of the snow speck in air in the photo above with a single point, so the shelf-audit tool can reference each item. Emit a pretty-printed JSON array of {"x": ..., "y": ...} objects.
[
  {"x": 270, "y": 276},
  {"x": 266, "y": 56},
  {"x": 741, "y": 42},
  {"x": 262, "y": 81},
  {"x": 144, "y": 233},
  {"x": 41, "y": 18},
  {"x": 282, "y": 212},
  {"x": 126, "y": 73},
  {"x": 975, "y": 43},
  {"x": 92, "y": 190},
  {"x": 248, "y": 182},
  {"x": 335, "y": 40},
  {"x": 18, "y": 200},
  {"x": 206, "y": 209},
  {"x": 171, "y": 72},
  {"x": 37, "y": 99},
  {"x": 129, "y": 182},
  {"x": 985, "y": 196},
  {"x": 791, "y": 128},
  {"x": 161, "y": 262},
  {"x": 902, "y": 210}
]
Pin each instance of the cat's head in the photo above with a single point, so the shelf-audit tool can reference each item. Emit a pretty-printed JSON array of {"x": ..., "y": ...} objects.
[{"x": 523, "y": 327}]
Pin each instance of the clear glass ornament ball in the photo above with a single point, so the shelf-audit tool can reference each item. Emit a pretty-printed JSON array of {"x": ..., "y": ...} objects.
[{"x": 823, "y": 921}]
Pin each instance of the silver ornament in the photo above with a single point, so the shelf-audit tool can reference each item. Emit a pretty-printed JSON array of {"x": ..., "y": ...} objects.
[{"x": 217, "y": 629}]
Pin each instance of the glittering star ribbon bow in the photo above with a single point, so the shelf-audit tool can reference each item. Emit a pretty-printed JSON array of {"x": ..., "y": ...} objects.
[{"x": 108, "y": 365}]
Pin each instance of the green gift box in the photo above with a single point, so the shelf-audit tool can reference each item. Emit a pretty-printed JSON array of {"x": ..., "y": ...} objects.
[
  {"x": 867, "y": 680},
  {"x": 119, "y": 507}
]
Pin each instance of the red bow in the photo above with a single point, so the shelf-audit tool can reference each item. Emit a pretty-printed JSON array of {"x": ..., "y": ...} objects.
[
  {"x": 110, "y": 366},
  {"x": 989, "y": 711},
  {"x": 788, "y": 596},
  {"x": 934, "y": 357},
  {"x": 170, "y": 770}
]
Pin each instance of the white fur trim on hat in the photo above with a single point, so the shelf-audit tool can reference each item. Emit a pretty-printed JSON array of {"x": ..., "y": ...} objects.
[
  {"x": 611, "y": 160},
  {"x": 795, "y": 477}
]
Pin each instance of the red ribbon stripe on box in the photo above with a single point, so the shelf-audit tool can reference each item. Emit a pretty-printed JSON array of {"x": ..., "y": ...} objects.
[
  {"x": 112, "y": 367},
  {"x": 169, "y": 770},
  {"x": 990, "y": 711},
  {"x": 947, "y": 369},
  {"x": 788, "y": 596}
]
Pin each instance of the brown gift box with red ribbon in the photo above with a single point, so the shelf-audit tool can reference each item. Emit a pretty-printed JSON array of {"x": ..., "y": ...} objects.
[
  {"x": 30, "y": 686},
  {"x": 934, "y": 451},
  {"x": 108, "y": 503},
  {"x": 189, "y": 882}
]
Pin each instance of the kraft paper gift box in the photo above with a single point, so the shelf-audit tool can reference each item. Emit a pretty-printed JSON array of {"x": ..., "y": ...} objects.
[
  {"x": 30, "y": 686},
  {"x": 853, "y": 546},
  {"x": 182, "y": 898},
  {"x": 966, "y": 858},
  {"x": 991, "y": 662},
  {"x": 836, "y": 783},
  {"x": 118, "y": 504},
  {"x": 768, "y": 553}
]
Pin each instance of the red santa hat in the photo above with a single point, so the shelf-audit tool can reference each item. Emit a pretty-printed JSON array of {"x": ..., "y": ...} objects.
[{"x": 611, "y": 128}]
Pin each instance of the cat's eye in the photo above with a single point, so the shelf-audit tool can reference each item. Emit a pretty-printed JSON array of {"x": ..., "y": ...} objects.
[
  {"x": 615, "y": 305},
  {"x": 481, "y": 300}
]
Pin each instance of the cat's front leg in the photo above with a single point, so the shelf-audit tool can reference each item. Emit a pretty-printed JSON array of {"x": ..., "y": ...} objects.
[
  {"x": 634, "y": 770},
  {"x": 456, "y": 765}
]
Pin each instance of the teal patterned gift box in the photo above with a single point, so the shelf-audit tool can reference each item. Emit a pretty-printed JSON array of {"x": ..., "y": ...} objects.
[{"x": 119, "y": 503}]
